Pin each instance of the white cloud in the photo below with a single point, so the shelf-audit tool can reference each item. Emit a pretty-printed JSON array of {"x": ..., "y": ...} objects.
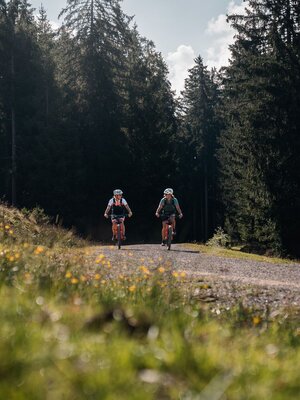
[
  {"x": 220, "y": 36},
  {"x": 179, "y": 62},
  {"x": 218, "y": 54}
]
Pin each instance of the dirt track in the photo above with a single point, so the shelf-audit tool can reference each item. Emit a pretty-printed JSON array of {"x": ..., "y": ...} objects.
[{"x": 218, "y": 280}]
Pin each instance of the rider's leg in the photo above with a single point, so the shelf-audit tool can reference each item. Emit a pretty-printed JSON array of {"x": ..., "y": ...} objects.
[
  {"x": 163, "y": 240},
  {"x": 163, "y": 231},
  {"x": 174, "y": 224},
  {"x": 123, "y": 230},
  {"x": 114, "y": 229}
]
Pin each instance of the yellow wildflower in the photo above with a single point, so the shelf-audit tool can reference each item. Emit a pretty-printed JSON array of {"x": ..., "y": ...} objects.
[
  {"x": 145, "y": 270},
  {"x": 256, "y": 320},
  {"x": 68, "y": 274},
  {"x": 161, "y": 270},
  {"x": 175, "y": 274},
  {"x": 132, "y": 288},
  {"x": 74, "y": 281},
  {"x": 39, "y": 250}
]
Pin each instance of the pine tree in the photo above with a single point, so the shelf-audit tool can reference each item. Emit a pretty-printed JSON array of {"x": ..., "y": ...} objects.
[
  {"x": 200, "y": 128},
  {"x": 149, "y": 124},
  {"x": 99, "y": 30},
  {"x": 259, "y": 137}
]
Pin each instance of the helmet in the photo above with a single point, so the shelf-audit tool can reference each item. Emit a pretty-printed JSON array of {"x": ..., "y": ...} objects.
[
  {"x": 168, "y": 191},
  {"x": 117, "y": 191}
]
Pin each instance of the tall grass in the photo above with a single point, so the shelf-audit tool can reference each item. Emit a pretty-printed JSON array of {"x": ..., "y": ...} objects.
[{"x": 72, "y": 330}]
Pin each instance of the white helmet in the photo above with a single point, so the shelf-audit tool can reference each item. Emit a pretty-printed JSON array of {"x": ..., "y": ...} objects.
[
  {"x": 168, "y": 191},
  {"x": 117, "y": 191}
]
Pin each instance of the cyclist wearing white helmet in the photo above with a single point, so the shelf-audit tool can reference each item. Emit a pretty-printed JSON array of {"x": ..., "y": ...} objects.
[
  {"x": 166, "y": 209},
  {"x": 117, "y": 207}
]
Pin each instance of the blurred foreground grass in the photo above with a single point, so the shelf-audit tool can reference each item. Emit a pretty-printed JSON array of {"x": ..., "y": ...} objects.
[{"x": 73, "y": 329}]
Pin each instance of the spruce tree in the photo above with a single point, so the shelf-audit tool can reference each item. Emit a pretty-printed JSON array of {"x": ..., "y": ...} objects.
[
  {"x": 259, "y": 140},
  {"x": 199, "y": 130}
]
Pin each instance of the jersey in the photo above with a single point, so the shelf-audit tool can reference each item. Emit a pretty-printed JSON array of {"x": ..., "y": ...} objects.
[
  {"x": 117, "y": 207},
  {"x": 168, "y": 208}
]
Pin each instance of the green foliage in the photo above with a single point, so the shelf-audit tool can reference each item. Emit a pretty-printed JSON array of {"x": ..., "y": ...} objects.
[
  {"x": 92, "y": 109},
  {"x": 219, "y": 239},
  {"x": 33, "y": 226},
  {"x": 199, "y": 130},
  {"x": 259, "y": 127}
]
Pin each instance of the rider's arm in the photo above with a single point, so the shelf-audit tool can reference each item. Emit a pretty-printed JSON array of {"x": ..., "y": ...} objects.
[
  {"x": 159, "y": 208},
  {"x": 178, "y": 209},
  {"x": 128, "y": 209},
  {"x": 107, "y": 209}
]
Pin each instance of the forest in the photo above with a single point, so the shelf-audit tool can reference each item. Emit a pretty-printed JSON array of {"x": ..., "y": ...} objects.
[{"x": 88, "y": 108}]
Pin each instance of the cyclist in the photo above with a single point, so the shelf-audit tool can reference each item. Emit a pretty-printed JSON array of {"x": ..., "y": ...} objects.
[
  {"x": 166, "y": 209},
  {"x": 117, "y": 206}
]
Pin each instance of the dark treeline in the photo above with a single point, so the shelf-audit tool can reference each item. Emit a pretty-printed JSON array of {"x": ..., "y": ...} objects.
[{"x": 89, "y": 108}]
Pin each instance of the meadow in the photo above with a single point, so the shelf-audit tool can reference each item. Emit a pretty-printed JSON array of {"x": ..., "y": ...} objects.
[{"x": 75, "y": 326}]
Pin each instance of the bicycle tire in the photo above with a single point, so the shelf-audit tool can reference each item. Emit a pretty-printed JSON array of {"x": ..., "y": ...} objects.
[
  {"x": 119, "y": 240},
  {"x": 169, "y": 237}
]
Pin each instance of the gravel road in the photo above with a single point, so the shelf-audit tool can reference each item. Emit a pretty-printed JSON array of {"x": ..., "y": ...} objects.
[{"x": 218, "y": 280}]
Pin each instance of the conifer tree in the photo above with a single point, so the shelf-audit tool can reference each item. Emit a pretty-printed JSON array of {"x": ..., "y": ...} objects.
[
  {"x": 260, "y": 140},
  {"x": 200, "y": 127}
]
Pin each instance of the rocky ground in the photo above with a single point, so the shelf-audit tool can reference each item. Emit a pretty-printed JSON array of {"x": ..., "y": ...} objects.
[{"x": 217, "y": 281}]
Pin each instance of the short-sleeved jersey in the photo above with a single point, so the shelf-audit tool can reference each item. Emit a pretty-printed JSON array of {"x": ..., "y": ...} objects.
[
  {"x": 173, "y": 201},
  {"x": 168, "y": 208},
  {"x": 117, "y": 207},
  {"x": 111, "y": 202}
]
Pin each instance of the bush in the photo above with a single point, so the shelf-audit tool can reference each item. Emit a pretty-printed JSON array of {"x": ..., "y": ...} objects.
[{"x": 220, "y": 239}]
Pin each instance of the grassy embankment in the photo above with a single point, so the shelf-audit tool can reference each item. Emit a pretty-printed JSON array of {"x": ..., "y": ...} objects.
[{"x": 70, "y": 331}]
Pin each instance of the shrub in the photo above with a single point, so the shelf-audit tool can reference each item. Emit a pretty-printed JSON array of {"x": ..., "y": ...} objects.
[{"x": 220, "y": 239}]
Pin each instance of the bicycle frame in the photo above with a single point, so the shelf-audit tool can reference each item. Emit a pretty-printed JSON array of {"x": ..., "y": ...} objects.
[
  {"x": 119, "y": 232},
  {"x": 168, "y": 231}
]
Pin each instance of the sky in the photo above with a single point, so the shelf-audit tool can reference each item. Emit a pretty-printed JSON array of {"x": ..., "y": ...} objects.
[{"x": 180, "y": 29}]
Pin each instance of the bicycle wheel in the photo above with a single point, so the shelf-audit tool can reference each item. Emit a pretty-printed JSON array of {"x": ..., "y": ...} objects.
[
  {"x": 169, "y": 237},
  {"x": 119, "y": 240}
]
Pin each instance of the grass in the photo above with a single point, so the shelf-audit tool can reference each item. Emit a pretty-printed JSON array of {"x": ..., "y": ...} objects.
[
  {"x": 235, "y": 252},
  {"x": 73, "y": 327}
]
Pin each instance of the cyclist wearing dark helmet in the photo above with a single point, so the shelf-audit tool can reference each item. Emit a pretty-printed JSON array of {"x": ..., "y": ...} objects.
[
  {"x": 166, "y": 209},
  {"x": 117, "y": 207}
]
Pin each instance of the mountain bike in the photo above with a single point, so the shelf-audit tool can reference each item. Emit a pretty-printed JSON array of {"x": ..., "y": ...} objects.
[
  {"x": 168, "y": 231},
  {"x": 118, "y": 232}
]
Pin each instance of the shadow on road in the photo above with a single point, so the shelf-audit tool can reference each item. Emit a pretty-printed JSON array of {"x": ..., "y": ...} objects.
[
  {"x": 185, "y": 251},
  {"x": 125, "y": 248}
]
